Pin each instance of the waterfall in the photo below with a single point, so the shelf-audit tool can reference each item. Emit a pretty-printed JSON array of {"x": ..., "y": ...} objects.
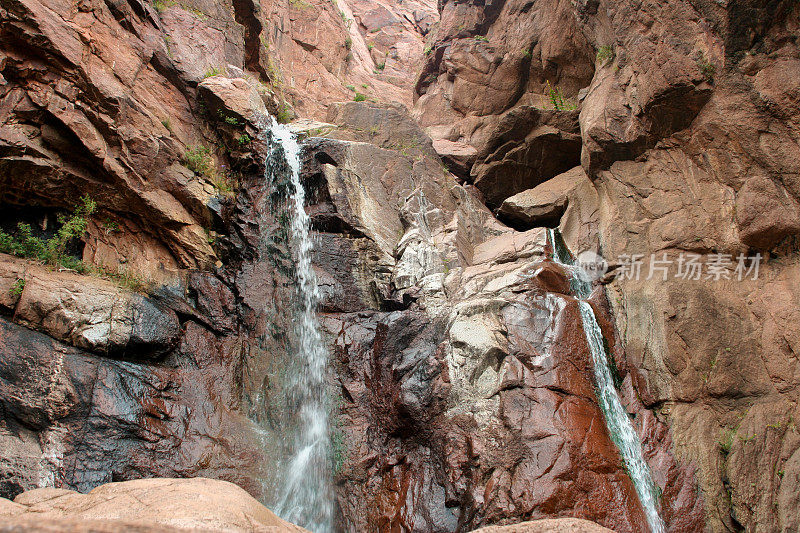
[
  {"x": 305, "y": 493},
  {"x": 617, "y": 421}
]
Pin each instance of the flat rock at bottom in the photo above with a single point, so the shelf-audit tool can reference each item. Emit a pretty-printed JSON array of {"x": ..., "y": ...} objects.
[
  {"x": 146, "y": 505},
  {"x": 550, "y": 525}
]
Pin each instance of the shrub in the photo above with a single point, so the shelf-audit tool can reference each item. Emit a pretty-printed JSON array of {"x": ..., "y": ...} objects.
[
  {"x": 161, "y": 5},
  {"x": 482, "y": 38},
  {"x": 17, "y": 287},
  {"x": 213, "y": 71},
  {"x": 284, "y": 114},
  {"x": 604, "y": 53},
  {"x": 427, "y": 51},
  {"x": 198, "y": 159},
  {"x": 707, "y": 69},
  {"x": 243, "y": 139},
  {"x": 52, "y": 251},
  {"x": 359, "y": 97},
  {"x": 370, "y": 46},
  {"x": 381, "y": 66},
  {"x": 348, "y": 43}
]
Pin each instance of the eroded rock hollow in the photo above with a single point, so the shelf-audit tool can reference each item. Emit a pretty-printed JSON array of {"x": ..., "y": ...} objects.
[{"x": 148, "y": 291}]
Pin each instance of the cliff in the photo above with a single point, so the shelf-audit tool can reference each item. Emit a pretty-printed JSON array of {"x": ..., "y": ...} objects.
[{"x": 441, "y": 142}]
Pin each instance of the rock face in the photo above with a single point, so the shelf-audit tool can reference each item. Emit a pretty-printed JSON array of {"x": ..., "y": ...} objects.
[
  {"x": 152, "y": 505},
  {"x": 462, "y": 376},
  {"x": 557, "y": 525},
  {"x": 687, "y": 147}
]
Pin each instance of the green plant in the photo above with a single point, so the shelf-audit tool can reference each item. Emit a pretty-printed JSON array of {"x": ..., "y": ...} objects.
[
  {"x": 299, "y": 4},
  {"x": 427, "y": 51},
  {"x": 161, "y": 5},
  {"x": 557, "y": 98},
  {"x": 604, "y": 53},
  {"x": 482, "y": 38},
  {"x": 198, "y": 159},
  {"x": 359, "y": 97},
  {"x": 52, "y": 251},
  {"x": 381, "y": 66},
  {"x": 233, "y": 121},
  {"x": 726, "y": 441},
  {"x": 370, "y": 46},
  {"x": 110, "y": 226},
  {"x": 243, "y": 139},
  {"x": 213, "y": 71},
  {"x": 707, "y": 69},
  {"x": 364, "y": 85},
  {"x": 167, "y": 124},
  {"x": 17, "y": 287},
  {"x": 350, "y": 87},
  {"x": 526, "y": 53},
  {"x": 284, "y": 114},
  {"x": 223, "y": 182},
  {"x": 348, "y": 43},
  {"x": 123, "y": 278}
]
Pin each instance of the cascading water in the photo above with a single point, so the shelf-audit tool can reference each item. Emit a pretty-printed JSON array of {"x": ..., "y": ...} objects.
[
  {"x": 617, "y": 421},
  {"x": 305, "y": 496}
]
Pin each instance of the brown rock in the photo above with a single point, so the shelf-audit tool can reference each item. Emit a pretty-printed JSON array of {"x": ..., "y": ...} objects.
[
  {"x": 233, "y": 97},
  {"x": 555, "y": 525},
  {"x": 147, "y": 505},
  {"x": 543, "y": 205}
]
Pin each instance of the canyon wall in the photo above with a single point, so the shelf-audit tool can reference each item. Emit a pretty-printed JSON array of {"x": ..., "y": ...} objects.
[{"x": 462, "y": 377}]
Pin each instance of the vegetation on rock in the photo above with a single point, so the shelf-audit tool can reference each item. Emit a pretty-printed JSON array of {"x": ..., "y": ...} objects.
[{"x": 53, "y": 250}]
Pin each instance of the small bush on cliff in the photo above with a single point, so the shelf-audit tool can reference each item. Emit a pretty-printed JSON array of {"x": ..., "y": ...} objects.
[
  {"x": 213, "y": 71},
  {"x": 557, "y": 99},
  {"x": 284, "y": 114},
  {"x": 161, "y": 5},
  {"x": 359, "y": 97},
  {"x": 604, "y": 53},
  {"x": 198, "y": 159},
  {"x": 17, "y": 287},
  {"x": 52, "y": 251},
  {"x": 707, "y": 69}
]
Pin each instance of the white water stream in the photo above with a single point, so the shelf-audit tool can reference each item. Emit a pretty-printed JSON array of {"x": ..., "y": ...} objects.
[
  {"x": 306, "y": 490},
  {"x": 619, "y": 424}
]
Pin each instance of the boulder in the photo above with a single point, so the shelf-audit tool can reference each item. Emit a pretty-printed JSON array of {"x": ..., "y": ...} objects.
[
  {"x": 552, "y": 525},
  {"x": 89, "y": 312},
  {"x": 146, "y": 505},
  {"x": 233, "y": 97},
  {"x": 544, "y": 204}
]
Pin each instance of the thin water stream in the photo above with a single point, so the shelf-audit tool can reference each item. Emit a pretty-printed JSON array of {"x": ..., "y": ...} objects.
[{"x": 617, "y": 421}]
